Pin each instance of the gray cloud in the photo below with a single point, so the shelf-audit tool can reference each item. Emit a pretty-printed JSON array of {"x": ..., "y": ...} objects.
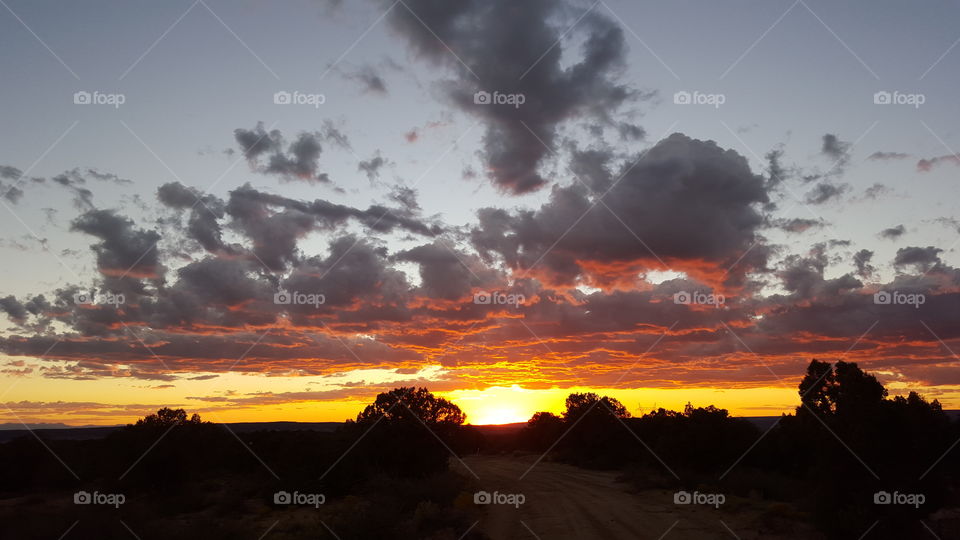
[
  {"x": 515, "y": 48},
  {"x": 825, "y": 192},
  {"x": 686, "y": 200},
  {"x": 893, "y": 233}
]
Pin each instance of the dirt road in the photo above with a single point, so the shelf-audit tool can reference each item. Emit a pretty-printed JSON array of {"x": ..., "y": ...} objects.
[{"x": 566, "y": 502}]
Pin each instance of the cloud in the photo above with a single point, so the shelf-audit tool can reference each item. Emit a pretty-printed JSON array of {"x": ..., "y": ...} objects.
[
  {"x": 926, "y": 165},
  {"x": 123, "y": 249},
  {"x": 924, "y": 258},
  {"x": 205, "y": 213},
  {"x": 13, "y": 308},
  {"x": 275, "y": 224},
  {"x": 798, "y": 225},
  {"x": 861, "y": 260},
  {"x": 887, "y": 156},
  {"x": 448, "y": 273},
  {"x": 369, "y": 80},
  {"x": 686, "y": 201},
  {"x": 837, "y": 150},
  {"x": 517, "y": 48},
  {"x": 269, "y": 153},
  {"x": 825, "y": 192},
  {"x": 875, "y": 191},
  {"x": 893, "y": 233},
  {"x": 11, "y": 192},
  {"x": 371, "y": 167}
]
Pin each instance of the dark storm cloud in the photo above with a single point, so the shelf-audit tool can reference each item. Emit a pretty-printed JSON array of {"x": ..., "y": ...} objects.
[
  {"x": 686, "y": 200},
  {"x": 893, "y": 233},
  {"x": 516, "y": 48},
  {"x": 123, "y": 249}
]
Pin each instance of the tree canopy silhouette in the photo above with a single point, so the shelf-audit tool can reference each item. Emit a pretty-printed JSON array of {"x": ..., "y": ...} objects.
[
  {"x": 581, "y": 404},
  {"x": 408, "y": 404},
  {"x": 167, "y": 417}
]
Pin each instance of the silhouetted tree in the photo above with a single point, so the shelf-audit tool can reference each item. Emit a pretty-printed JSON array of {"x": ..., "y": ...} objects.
[
  {"x": 581, "y": 404},
  {"x": 542, "y": 430},
  {"x": 406, "y": 432},
  {"x": 167, "y": 417},
  {"x": 400, "y": 404}
]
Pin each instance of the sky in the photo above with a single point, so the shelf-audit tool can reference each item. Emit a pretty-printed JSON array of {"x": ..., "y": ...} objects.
[{"x": 274, "y": 211}]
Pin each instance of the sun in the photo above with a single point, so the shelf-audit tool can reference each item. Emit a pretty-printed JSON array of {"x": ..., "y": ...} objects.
[
  {"x": 504, "y": 404},
  {"x": 498, "y": 415}
]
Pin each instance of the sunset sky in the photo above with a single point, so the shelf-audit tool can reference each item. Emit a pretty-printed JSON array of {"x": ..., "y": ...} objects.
[{"x": 809, "y": 190}]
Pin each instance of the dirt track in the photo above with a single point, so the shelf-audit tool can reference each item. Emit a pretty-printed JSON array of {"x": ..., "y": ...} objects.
[{"x": 567, "y": 502}]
